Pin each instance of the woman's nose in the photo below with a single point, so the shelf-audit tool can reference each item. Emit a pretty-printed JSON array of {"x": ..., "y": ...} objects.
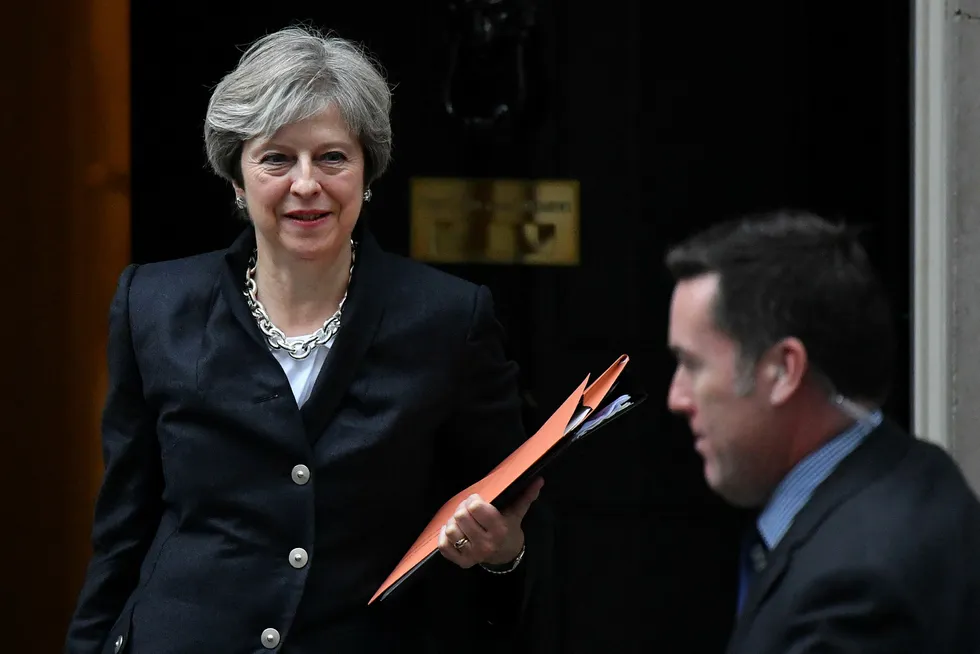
[{"x": 304, "y": 183}]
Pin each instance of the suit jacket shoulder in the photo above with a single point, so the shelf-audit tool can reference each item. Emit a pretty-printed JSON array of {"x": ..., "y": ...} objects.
[
  {"x": 906, "y": 482},
  {"x": 894, "y": 523},
  {"x": 416, "y": 286},
  {"x": 170, "y": 303},
  {"x": 924, "y": 487},
  {"x": 176, "y": 284}
]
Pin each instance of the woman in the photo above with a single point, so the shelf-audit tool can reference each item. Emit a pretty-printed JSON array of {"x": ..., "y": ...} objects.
[{"x": 283, "y": 418}]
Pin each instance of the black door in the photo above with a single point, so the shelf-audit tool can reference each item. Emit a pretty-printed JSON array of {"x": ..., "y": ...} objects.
[{"x": 671, "y": 116}]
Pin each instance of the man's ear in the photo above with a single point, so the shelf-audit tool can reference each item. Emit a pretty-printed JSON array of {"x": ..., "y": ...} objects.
[{"x": 786, "y": 368}]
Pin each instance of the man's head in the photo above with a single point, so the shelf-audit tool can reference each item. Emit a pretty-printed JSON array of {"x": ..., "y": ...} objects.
[{"x": 770, "y": 316}]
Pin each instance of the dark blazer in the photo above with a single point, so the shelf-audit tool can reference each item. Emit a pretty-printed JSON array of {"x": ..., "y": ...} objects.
[
  {"x": 884, "y": 559},
  {"x": 201, "y": 505}
]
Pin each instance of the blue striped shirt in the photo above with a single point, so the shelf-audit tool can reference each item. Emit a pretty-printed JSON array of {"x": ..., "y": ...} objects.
[{"x": 794, "y": 491}]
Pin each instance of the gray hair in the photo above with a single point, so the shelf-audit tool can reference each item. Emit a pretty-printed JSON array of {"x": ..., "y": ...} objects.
[{"x": 288, "y": 76}]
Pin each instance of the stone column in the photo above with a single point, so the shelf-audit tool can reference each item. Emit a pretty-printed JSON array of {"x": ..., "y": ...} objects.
[{"x": 947, "y": 228}]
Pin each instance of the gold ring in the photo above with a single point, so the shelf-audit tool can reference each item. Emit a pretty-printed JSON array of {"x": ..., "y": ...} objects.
[{"x": 461, "y": 543}]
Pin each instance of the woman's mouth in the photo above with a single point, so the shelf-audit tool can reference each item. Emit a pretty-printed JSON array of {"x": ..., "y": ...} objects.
[{"x": 307, "y": 216}]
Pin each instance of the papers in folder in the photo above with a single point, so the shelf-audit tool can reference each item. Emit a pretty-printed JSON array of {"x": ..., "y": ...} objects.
[{"x": 585, "y": 410}]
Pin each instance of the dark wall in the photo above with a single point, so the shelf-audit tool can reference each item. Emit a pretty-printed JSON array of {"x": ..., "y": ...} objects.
[
  {"x": 672, "y": 116},
  {"x": 64, "y": 98}
]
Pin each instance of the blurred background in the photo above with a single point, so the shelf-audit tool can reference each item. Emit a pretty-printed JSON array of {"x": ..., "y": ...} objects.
[{"x": 670, "y": 116}]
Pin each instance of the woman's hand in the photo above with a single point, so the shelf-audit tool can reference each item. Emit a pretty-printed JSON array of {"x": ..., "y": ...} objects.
[{"x": 479, "y": 533}]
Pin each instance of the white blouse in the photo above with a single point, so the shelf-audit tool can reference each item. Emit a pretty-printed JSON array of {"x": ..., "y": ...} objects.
[{"x": 302, "y": 373}]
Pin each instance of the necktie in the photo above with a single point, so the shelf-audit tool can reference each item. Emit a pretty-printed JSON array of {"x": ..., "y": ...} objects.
[{"x": 752, "y": 561}]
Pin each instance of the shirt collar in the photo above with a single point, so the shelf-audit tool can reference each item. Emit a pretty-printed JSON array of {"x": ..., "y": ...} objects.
[{"x": 794, "y": 491}]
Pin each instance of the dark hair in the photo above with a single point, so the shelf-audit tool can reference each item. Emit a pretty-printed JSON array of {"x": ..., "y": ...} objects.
[{"x": 794, "y": 274}]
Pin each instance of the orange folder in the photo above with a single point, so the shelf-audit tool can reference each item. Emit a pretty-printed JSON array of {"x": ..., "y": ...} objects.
[{"x": 559, "y": 430}]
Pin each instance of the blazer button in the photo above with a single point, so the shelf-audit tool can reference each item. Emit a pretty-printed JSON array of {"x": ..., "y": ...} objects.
[
  {"x": 117, "y": 646},
  {"x": 298, "y": 558},
  {"x": 301, "y": 474},
  {"x": 270, "y": 639}
]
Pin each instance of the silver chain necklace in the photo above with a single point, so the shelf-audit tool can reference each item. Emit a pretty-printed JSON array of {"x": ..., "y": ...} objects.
[{"x": 277, "y": 339}]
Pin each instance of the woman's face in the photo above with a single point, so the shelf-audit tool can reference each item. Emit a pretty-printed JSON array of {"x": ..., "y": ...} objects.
[{"x": 304, "y": 187}]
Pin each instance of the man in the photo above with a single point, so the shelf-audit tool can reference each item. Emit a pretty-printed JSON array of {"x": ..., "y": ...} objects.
[{"x": 866, "y": 540}]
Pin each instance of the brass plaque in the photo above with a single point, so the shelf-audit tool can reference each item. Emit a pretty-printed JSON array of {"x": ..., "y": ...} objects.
[{"x": 501, "y": 221}]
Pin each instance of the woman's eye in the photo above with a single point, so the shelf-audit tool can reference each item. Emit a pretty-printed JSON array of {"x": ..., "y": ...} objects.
[
  {"x": 334, "y": 157},
  {"x": 273, "y": 158}
]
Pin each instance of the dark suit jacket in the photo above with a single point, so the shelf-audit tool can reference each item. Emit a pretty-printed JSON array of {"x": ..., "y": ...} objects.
[
  {"x": 884, "y": 559},
  {"x": 198, "y": 511}
]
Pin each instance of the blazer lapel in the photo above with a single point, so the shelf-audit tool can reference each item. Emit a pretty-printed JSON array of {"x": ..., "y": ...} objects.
[
  {"x": 233, "y": 284},
  {"x": 875, "y": 456},
  {"x": 360, "y": 320}
]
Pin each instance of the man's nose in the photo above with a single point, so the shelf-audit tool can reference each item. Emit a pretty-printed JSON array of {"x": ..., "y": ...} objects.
[{"x": 678, "y": 399}]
